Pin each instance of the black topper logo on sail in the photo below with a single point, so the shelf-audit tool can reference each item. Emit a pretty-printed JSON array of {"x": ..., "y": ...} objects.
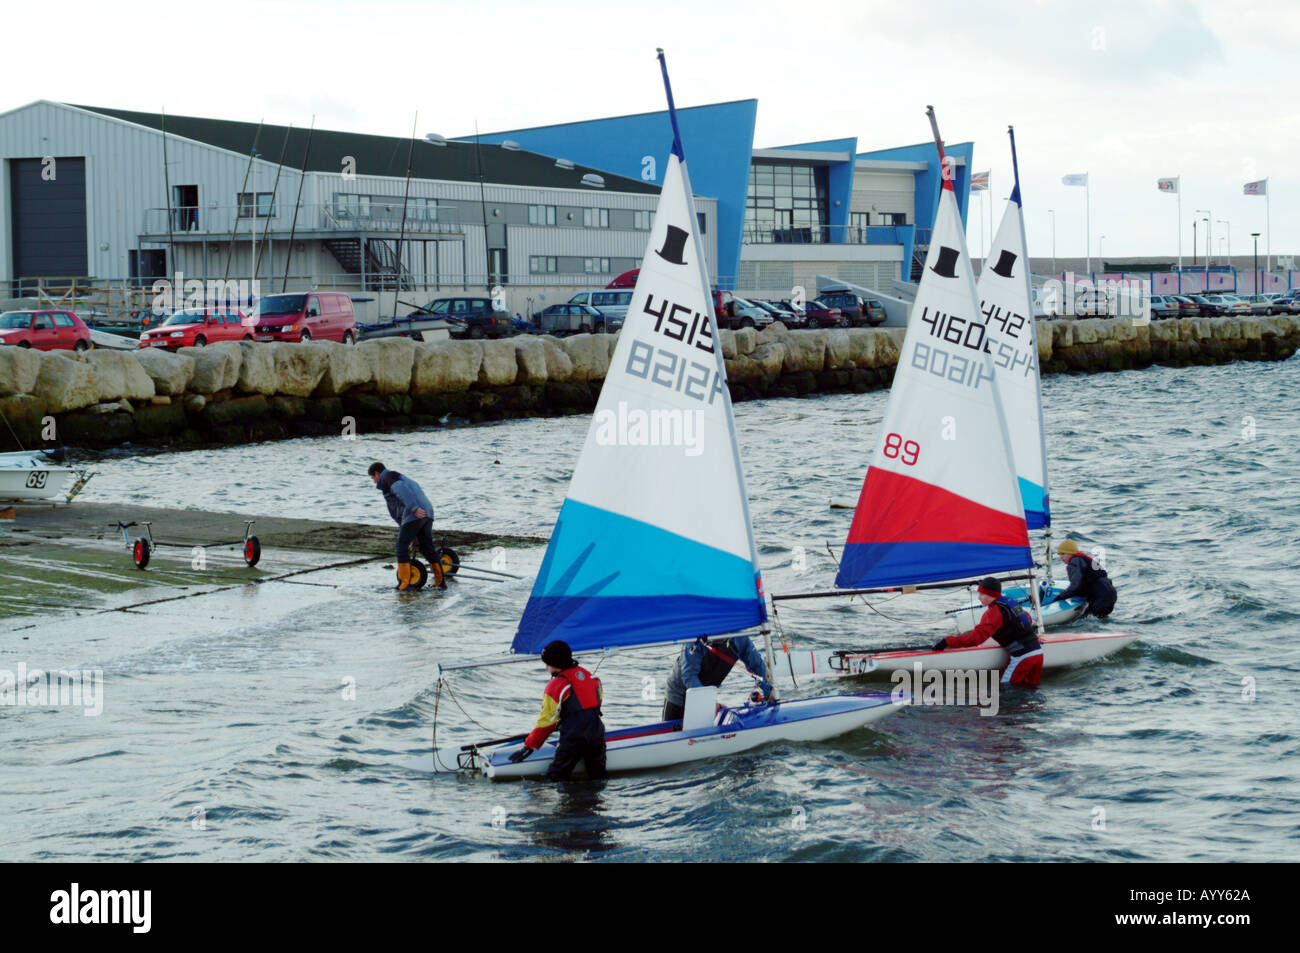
[
  {"x": 674, "y": 243},
  {"x": 1005, "y": 264},
  {"x": 947, "y": 259}
]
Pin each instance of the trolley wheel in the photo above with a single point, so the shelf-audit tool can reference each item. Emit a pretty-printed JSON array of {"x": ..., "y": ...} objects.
[
  {"x": 450, "y": 562},
  {"x": 140, "y": 553},
  {"x": 252, "y": 551},
  {"x": 419, "y": 575}
]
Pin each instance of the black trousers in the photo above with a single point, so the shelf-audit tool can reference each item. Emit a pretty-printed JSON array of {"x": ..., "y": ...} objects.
[
  {"x": 422, "y": 532},
  {"x": 583, "y": 741},
  {"x": 672, "y": 711}
]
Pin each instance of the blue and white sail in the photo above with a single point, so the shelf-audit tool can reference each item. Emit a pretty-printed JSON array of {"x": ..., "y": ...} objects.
[
  {"x": 653, "y": 542},
  {"x": 1006, "y": 298}
]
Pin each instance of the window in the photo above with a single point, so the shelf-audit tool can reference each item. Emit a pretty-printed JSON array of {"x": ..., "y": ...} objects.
[
  {"x": 598, "y": 266},
  {"x": 263, "y": 201},
  {"x": 595, "y": 217},
  {"x": 700, "y": 216},
  {"x": 541, "y": 215},
  {"x": 643, "y": 220},
  {"x": 542, "y": 264},
  {"x": 63, "y": 320},
  {"x": 350, "y": 207},
  {"x": 42, "y": 322}
]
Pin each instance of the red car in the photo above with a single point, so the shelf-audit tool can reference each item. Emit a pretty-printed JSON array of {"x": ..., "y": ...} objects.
[
  {"x": 44, "y": 330},
  {"x": 198, "y": 327},
  {"x": 819, "y": 314}
]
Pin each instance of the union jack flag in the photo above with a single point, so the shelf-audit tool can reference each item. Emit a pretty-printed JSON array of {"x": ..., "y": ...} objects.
[{"x": 979, "y": 182}]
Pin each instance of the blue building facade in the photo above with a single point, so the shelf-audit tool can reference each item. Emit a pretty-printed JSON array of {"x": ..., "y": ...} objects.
[{"x": 822, "y": 183}]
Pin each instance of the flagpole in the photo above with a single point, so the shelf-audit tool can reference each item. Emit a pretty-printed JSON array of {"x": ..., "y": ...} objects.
[
  {"x": 1268, "y": 232},
  {"x": 1087, "y": 219},
  {"x": 1178, "y": 184}
]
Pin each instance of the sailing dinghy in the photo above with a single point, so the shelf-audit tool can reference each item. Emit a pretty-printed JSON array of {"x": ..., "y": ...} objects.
[
  {"x": 1006, "y": 299},
  {"x": 943, "y": 501},
  {"x": 653, "y": 544}
]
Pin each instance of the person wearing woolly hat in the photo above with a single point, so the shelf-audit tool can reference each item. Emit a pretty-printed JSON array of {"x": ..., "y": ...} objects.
[
  {"x": 1088, "y": 580},
  {"x": 1010, "y": 626},
  {"x": 571, "y": 702}
]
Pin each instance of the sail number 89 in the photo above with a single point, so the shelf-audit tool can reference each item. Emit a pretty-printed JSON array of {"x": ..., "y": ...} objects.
[{"x": 898, "y": 449}]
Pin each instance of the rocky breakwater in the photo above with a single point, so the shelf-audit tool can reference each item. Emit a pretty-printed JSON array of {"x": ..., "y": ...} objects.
[{"x": 235, "y": 392}]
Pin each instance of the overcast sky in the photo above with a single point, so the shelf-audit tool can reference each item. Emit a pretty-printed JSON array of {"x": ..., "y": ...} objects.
[{"x": 1126, "y": 90}]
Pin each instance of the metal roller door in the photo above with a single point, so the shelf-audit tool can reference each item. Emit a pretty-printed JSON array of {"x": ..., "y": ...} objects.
[{"x": 49, "y": 218}]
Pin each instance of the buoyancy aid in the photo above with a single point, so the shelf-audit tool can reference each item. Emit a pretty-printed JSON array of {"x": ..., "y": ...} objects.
[
  {"x": 1016, "y": 634},
  {"x": 717, "y": 663}
]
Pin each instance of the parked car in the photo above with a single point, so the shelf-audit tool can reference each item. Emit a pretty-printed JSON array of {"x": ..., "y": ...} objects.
[
  {"x": 1187, "y": 308},
  {"x": 1165, "y": 306},
  {"x": 44, "y": 330},
  {"x": 789, "y": 318},
  {"x": 876, "y": 315},
  {"x": 1203, "y": 306},
  {"x": 1091, "y": 304},
  {"x": 819, "y": 314},
  {"x": 738, "y": 312},
  {"x": 1222, "y": 305},
  {"x": 322, "y": 316},
  {"x": 570, "y": 319},
  {"x": 1260, "y": 304},
  {"x": 859, "y": 310},
  {"x": 198, "y": 327},
  {"x": 470, "y": 317},
  {"x": 798, "y": 319},
  {"x": 1288, "y": 303},
  {"x": 611, "y": 302}
]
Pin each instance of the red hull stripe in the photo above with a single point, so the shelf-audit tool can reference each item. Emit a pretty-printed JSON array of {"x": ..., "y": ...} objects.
[{"x": 900, "y": 509}]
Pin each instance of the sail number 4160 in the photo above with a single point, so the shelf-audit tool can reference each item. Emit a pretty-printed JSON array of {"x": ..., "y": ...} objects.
[{"x": 896, "y": 448}]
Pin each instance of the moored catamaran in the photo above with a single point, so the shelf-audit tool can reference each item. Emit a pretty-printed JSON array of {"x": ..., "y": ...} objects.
[
  {"x": 956, "y": 481},
  {"x": 653, "y": 544}
]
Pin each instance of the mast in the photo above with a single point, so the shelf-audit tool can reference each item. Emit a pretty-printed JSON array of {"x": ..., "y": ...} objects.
[
  {"x": 297, "y": 204},
  {"x": 243, "y": 189},
  {"x": 406, "y": 197},
  {"x": 167, "y": 186},
  {"x": 482, "y": 199},
  {"x": 275, "y": 186},
  {"x": 717, "y": 350}
]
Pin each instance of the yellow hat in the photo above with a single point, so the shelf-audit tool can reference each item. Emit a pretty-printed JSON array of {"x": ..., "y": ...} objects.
[{"x": 1068, "y": 548}]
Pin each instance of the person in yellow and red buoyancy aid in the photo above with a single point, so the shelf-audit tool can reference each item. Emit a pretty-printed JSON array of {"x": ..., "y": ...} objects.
[
  {"x": 1011, "y": 627},
  {"x": 1087, "y": 580},
  {"x": 570, "y": 702}
]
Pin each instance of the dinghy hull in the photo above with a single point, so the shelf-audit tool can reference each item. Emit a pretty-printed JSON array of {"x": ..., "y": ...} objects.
[
  {"x": 665, "y": 744},
  {"x": 1059, "y": 650}
]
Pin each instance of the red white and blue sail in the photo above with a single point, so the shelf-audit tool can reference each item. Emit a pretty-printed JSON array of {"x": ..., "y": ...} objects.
[
  {"x": 1006, "y": 299},
  {"x": 653, "y": 542},
  {"x": 940, "y": 499}
]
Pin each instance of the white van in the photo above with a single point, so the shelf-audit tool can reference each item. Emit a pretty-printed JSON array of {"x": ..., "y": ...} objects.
[{"x": 611, "y": 302}]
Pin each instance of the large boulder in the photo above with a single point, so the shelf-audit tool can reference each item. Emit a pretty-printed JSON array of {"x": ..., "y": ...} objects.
[
  {"x": 589, "y": 355},
  {"x": 769, "y": 357},
  {"x": 1122, "y": 329},
  {"x": 1062, "y": 334},
  {"x": 890, "y": 347},
  {"x": 391, "y": 362},
  {"x": 216, "y": 367},
  {"x": 1225, "y": 329},
  {"x": 1043, "y": 333},
  {"x": 446, "y": 367},
  {"x": 837, "y": 349},
  {"x": 746, "y": 340},
  {"x": 558, "y": 365},
  {"x": 64, "y": 383},
  {"x": 19, "y": 367},
  {"x": 257, "y": 369},
  {"x": 345, "y": 367},
  {"x": 300, "y": 367},
  {"x": 171, "y": 373},
  {"x": 26, "y": 416},
  {"x": 1086, "y": 331},
  {"x": 500, "y": 363},
  {"x": 805, "y": 351},
  {"x": 864, "y": 345},
  {"x": 530, "y": 354},
  {"x": 119, "y": 374},
  {"x": 728, "y": 339}
]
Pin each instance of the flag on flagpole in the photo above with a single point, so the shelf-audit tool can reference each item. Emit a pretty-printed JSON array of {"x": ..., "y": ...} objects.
[
  {"x": 979, "y": 182},
  {"x": 1168, "y": 185},
  {"x": 1255, "y": 188},
  {"x": 1078, "y": 178}
]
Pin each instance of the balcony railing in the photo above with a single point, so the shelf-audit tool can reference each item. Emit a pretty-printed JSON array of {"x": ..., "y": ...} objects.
[
  {"x": 218, "y": 221},
  {"x": 827, "y": 235}
]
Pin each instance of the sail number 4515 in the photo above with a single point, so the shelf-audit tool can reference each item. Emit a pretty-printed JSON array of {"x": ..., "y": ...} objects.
[{"x": 896, "y": 448}]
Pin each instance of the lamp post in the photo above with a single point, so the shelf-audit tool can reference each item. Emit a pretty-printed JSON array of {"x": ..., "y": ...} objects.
[
  {"x": 1259, "y": 279},
  {"x": 1209, "y": 233},
  {"x": 1101, "y": 257}
]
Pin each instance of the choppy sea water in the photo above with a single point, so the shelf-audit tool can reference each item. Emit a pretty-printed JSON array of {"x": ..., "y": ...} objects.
[{"x": 274, "y": 722}]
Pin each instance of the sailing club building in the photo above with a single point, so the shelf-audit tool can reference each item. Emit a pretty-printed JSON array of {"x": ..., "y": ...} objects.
[{"x": 110, "y": 196}]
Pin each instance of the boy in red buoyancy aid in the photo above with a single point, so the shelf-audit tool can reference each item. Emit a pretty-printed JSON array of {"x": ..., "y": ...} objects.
[
  {"x": 571, "y": 703},
  {"x": 1011, "y": 627}
]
